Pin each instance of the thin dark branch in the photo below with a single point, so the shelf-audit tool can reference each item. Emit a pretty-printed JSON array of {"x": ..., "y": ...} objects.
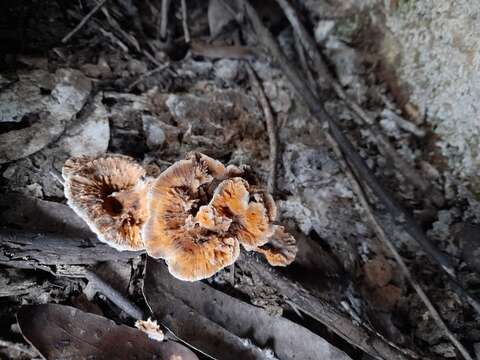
[
  {"x": 304, "y": 64},
  {"x": 146, "y": 75},
  {"x": 271, "y": 127},
  {"x": 164, "y": 19},
  {"x": 185, "y": 21},
  {"x": 84, "y": 21},
  {"x": 221, "y": 52},
  {"x": 114, "y": 296}
]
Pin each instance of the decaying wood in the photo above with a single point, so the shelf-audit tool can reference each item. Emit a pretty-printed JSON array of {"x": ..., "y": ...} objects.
[
  {"x": 27, "y": 249},
  {"x": 36, "y": 233},
  {"x": 19, "y": 211}
]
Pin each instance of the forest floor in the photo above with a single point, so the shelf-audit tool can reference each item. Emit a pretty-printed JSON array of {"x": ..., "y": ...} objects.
[{"x": 155, "y": 87}]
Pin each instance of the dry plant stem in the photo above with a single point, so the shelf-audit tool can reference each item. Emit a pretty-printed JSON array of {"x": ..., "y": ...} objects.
[
  {"x": 221, "y": 52},
  {"x": 114, "y": 296},
  {"x": 129, "y": 38},
  {"x": 164, "y": 19},
  {"x": 310, "y": 46},
  {"x": 185, "y": 21},
  {"x": 400, "y": 216},
  {"x": 271, "y": 128},
  {"x": 116, "y": 26},
  {"x": 84, "y": 21},
  {"x": 357, "y": 162},
  {"x": 304, "y": 64},
  {"x": 147, "y": 74},
  {"x": 386, "y": 240},
  {"x": 113, "y": 39}
]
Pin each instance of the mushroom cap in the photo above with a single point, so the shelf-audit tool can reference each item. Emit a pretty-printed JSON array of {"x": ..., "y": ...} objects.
[
  {"x": 192, "y": 247},
  {"x": 200, "y": 211},
  {"x": 109, "y": 194},
  {"x": 196, "y": 260},
  {"x": 281, "y": 248},
  {"x": 214, "y": 167},
  {"x": 251, "y": 224}
]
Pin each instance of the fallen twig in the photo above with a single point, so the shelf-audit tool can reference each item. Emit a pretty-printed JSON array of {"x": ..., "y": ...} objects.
[
  {"x": 271, "y": 128},
  {"x": 114, "y": 296},
  {"x": 221, "y": 52},
  {"x": 116, "y": 26},
  {"x": 84, "y": 21},
  {"x": 114, "y": 39},
  {"x": 185, "y": 21},
  {"x": 304, "y": 64},
  {"x": 146, "y": 75},
  {"x": 164, "y": 19},
  {"x": 400, "y": 216}
]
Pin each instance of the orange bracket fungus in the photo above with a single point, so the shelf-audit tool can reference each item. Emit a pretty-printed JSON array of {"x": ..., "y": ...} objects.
[
  {"x": 194, "y": 215},
  {"x": 109, "y": 194},
  {"x": 199, "y": 213}
]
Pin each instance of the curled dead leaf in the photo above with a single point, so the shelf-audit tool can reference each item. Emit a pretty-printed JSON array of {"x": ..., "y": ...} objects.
[{"x": 64, "y": 332}]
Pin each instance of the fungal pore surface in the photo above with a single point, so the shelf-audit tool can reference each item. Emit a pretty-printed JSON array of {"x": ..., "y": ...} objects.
[
  {"x": 201, "y": 211},
  {"x": 109, "y": 193}
]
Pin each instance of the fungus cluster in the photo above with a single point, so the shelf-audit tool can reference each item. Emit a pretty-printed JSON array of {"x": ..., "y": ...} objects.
[{"x": 194, "y": 215}]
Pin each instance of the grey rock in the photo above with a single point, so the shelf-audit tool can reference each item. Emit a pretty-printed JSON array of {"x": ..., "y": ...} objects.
[
  {"x": 89, "y": 135},
  {"x": 227, "y": 69},
  {"x": 323, "y": 30},
  {"x": 154, "y": 133},
  {"x": 49, "y": 100}
]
